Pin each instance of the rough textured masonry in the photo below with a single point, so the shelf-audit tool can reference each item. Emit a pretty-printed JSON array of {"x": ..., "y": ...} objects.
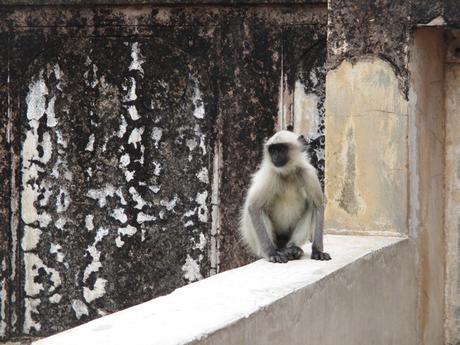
[{"x": 128, "y": 136}]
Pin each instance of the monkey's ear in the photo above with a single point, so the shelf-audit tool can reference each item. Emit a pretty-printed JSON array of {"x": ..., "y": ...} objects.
[{"x": 303, "y": 141}]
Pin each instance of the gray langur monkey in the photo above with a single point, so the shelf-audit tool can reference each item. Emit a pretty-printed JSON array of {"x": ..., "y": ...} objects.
[{"x": 284, "y": 204}]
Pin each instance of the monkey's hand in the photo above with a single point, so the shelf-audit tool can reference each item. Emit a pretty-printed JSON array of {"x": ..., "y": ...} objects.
[
  {"x": 293, "y": 252},
  {"x": 277, "y": 256},
  {"x": 319, "y": 255}
]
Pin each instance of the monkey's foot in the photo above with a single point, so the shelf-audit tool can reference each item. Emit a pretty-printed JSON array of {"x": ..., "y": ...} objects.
[
  {"x": 277, "y": 256},
  {"x": 293, "y": 252},
  {"x": 318, "y": 255}
]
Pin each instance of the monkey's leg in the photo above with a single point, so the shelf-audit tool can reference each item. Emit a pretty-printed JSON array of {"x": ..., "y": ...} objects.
[
  {"x": 283, "y": 244},
  {"x": 293, "y": 252},
  {"x": 299, "y": 236},
  {"x": 264, "y": 232},
  {"x": 317, "y": 246}
]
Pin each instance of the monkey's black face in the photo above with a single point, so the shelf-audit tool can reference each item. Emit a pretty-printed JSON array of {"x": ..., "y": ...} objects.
[{"x": 279, "y": 153}]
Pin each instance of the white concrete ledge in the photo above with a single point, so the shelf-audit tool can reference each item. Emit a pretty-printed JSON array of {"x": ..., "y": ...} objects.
[{"x": 242, "y": 306}]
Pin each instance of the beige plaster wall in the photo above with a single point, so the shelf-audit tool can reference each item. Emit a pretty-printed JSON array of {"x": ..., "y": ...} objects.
[
  {"x": 385, "y": 163},
  {"x": 366, "y": 149},
  {"x": 452, "y": 180},
  {"x": 426, "y": 159}
]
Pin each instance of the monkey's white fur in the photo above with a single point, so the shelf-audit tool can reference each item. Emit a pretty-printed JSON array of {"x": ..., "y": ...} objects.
[{"x": 288, "y": 196}]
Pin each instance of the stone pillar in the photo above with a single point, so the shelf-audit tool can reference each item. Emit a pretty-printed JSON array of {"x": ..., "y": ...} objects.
[{"x": 452, "y": 185}]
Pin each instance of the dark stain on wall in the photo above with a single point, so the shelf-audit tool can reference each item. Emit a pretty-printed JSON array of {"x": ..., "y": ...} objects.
[
  {"x": 115, "y": 117},
  {"x": 382, "y": 28},
  {"x": 379, "y": 28}
]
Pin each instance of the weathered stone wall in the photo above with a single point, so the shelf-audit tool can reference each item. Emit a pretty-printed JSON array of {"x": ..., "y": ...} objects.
[
  {"x": 452, "y": 187},
  {"x": 128, "y": 138},
  {"x": 384, "y": 29}
]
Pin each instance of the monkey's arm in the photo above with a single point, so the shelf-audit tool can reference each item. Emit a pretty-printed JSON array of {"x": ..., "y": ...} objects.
[
  {"x": 318, "y": 217},
  {"x": 257, "y": 217},
  {"x": 317, "y": 246}
]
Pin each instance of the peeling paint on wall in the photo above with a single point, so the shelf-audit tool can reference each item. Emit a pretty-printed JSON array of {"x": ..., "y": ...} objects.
[{"x": 126, "y": 168}]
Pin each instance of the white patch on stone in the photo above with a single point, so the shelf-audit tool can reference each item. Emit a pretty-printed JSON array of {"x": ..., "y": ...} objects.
[
  {"x": 68, "y": 175},
  {"x": 197, "y": 101},
  {"x": 101, "y": 312},
  {"x": 306, "y": 115},
  {"x": 191, "y": 270},
  {"x": 30, "y": 238},
  {"x": 119, "y": 193},
  {"x": 47, "y": 147},
  {"x": 129, "y": 175},
  {"x": 132, "y": 111},
  {"x": 30, "y": 307},
  {"x": 161, "y": 214},
  {"x": 137, "y": 59},
  {"x": 44, "y": 219},
  {"x": 141, "y": 160},
  {"x": 79, "y": 308},
  {"x": 89, "y": 222},
  {"x": 136, "y": 136},
  {"x": 90, "y": 144},
  {"x": 191, "y": 144},
  {"x": 202, "y": 207},
  {"x": 57, "y": 71},
  {"x": 3, "y": 299},
  {"x": 36, "y": 107},
  {"x": 131, "y": 96},
  {"x": 51, "y": 120},
  {"x": 189, "y": 213},
  {"x": 119, "y": 242},
  {"x": 56, "y": 298},
  {"x": 56, "y": 249},
  {"x": 95, "y": 263},
  {"x": 157, "y": 170},
  {"x": 202, "y": 175},
  {"x": 119, "y": 214},
  {"x": 202, "y": 144},
  {"x": 189, "y": 224},
  {"x": 95, "y": 80},
  {"x": 123, "y": 126},
  {"x": 60, "y": 223},
  {"x": 60, "y": 139},
  {"x": 55, "y": 171},
  {"x": 137, "y": 198},
  {"x": 101, "y": 194},
  {"x": 46, "y": 193},
  {"x": 36, "y": 99},
  {"x": 32, "y": 264},
  {"x": 169, "y": 204},
  {"x": 154, "y": 189},
  {"x": 202, "y": 244},
  {"x": 126, "y": 231},
  {"x": 96, "y": 292},
  {"x": 142, "y": 217},
  {"x": 157, "y": 133}
]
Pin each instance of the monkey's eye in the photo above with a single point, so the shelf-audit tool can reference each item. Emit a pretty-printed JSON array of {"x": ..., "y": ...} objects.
[{"x": 278, "y": 148}]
